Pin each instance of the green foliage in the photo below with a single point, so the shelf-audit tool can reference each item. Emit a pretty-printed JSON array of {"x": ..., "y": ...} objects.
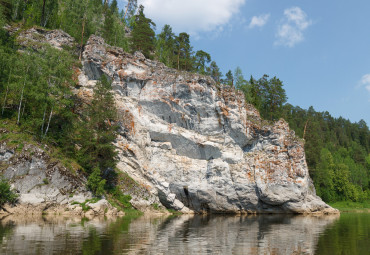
[
  {"x": 267, "y": 95},
  {"x": 35, "y": 93},
  {"x": 79, "y": 18},
  {"x": 183, "y": 52},
  {"x": 84, "y": 205},
  {"x": 337, "y": 151},
  {"x": 201, "y": 59},
  {"x": 34, "y": 90},
  {"x": 349, "y": 206},
  {"x": 214, "y": 71},
  {"x": 164, "y": 47},
  {"x": 142, "y": 35},
  {"x": 96, "y": 183},
  {"x": 5, "y": 11},
  {"x": 229, "y": 78},
  {"x": 120, "y": 198},
  {"x": 98, "y": 131},
  {"x": 6, "y": 194}
]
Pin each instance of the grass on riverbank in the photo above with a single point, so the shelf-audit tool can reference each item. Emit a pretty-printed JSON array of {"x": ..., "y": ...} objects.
[{"x": 349, "y": 206}]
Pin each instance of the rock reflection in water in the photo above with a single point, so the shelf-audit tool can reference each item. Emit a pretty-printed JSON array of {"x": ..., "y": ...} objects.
[{"x": 266, "y": 234}]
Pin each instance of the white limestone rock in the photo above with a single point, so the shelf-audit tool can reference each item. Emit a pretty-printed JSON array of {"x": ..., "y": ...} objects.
[{"x": 197, "y": 146}]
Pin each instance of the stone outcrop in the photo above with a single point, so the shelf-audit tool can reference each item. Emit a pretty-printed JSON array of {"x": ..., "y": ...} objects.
[
  {"x": 44, "y": 184},
  {"x": 195, "y": 145},
  {"x": 37, "y": 37}
]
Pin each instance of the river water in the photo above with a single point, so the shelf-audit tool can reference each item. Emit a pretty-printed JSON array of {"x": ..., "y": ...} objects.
[{"x": 264, "y": 234}]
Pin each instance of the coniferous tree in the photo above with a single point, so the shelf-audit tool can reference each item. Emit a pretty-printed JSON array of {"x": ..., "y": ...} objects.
[
  {"x": 165, "y": 44},
  {"x": 129, "y": 14},
  {"x": 201, "y": 59},
  {"x": 97, "y": 150},
  {"x": 183, "y": 51},
  {"x": 229, "y": 78},
  {"x": 214, "y": 71},
  {"x": 142, "y": 35}
]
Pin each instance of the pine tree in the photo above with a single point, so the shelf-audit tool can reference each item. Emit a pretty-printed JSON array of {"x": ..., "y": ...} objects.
[
  {"x": 229, "y": 78},
  {"x": 165, "y": 46},
  {"x": 142, "y": 35},
  {"x": 97, "y": 137},
  {"x": 214, "y": 71},
  {"x": 201, "y": 59},
  {"x": 183, "y": 51}
]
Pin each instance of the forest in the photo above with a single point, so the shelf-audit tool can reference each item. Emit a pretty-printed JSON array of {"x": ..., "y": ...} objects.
[{"x": 35, "y": 93}]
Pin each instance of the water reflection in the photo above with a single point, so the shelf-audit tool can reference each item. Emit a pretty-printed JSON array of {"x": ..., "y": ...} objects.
[{"x": 266, "y": 234}]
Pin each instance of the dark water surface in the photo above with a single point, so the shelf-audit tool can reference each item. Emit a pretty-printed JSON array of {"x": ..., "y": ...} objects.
[{"x": 265, "y": 234}]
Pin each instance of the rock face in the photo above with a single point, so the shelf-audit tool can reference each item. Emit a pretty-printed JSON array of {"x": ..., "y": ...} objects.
[
  {"x": 198, "y": 146},
  {"x": 44, "y": 184}
]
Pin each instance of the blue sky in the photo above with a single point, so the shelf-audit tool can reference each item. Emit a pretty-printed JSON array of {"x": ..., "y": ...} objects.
[{"x": 319, "y": 49}]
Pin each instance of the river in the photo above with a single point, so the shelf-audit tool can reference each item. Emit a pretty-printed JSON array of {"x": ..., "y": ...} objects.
[{"x": 264, "y": 234}]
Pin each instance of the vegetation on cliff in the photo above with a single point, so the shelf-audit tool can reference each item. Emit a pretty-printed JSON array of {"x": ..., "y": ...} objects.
[
  {"x": 35, "y": 92},
  {"x": 7, "y": 195}
]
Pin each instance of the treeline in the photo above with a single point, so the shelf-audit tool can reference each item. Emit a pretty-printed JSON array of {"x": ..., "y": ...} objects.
[
  {"x": 129, "y": 29},
  {"x": 337, "y": 151},
  {"x": 79, "y": 18}
]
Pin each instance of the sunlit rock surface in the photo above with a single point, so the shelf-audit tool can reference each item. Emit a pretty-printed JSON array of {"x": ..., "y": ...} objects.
[{"x": 198, "y": 146}]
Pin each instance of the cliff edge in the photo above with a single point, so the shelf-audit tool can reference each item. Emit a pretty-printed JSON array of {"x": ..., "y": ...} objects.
[{"x": 197, "y": 146}]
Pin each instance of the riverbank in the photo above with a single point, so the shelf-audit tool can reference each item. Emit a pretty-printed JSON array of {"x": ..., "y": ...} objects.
[{"x": 349, "y": 206}]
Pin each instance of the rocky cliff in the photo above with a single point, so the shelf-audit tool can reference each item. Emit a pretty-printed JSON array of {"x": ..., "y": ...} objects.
[
  {"x": 195, "y": 145},
  {"x": 190, "y": 144}
]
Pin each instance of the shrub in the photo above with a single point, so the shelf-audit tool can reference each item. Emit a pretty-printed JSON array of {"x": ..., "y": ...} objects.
[
  {"x": 122, "y": 199},
  {"x": 6, "y": 194},
  {"x": 96, "y": 183}
]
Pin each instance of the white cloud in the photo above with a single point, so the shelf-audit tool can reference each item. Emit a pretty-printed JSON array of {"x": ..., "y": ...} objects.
[
  {"x": 192, "y": 16},
  {"x": 290, "y": 31},
  {"x": 259, "y": 21},
  {"x": 365, "y": 81}
]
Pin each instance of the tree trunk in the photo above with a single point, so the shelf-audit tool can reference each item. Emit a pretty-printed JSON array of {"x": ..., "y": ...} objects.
[
  {"x": 178, "y": 60},
  {"x": 43, "y": 121},
  {"x": 24, "y": 107},
  {"x": 128, "y": 4},
  {"x": 43, "y": 13},
  {"x": 47, "y": 128},
  {"x": 6, "y": 94},
  {"x": 20, "y": 102},
  {"x": 82, "y": 36},
  {"x": 305, "y": 128}
]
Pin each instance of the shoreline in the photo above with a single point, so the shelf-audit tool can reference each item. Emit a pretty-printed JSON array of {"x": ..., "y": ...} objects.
[{"x": 103, "y": 208}]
